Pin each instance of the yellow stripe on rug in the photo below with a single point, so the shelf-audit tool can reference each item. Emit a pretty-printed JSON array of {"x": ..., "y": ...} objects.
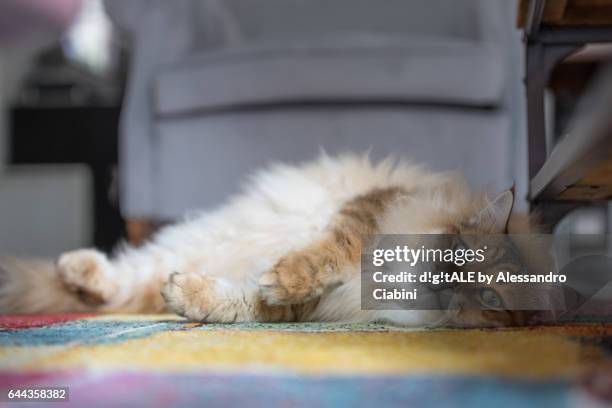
[{"x": 532, "y": 353}]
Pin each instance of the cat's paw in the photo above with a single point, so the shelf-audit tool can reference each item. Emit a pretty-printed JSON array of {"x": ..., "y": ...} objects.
[
  {"x": 87, "y": 273},
  {"x": 190, "y": 295},
  {"x": 295, "y": 279}
]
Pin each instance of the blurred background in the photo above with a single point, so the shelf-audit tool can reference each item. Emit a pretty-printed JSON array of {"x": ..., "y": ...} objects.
[
  {"x": 121, "y": 115},
  {"x": 60, "y": 95}
]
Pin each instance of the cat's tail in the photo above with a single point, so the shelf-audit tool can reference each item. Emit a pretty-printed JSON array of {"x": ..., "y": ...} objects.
[{"x": 32, "y": 286}]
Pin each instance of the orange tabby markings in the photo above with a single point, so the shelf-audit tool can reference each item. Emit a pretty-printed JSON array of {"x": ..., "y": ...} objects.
[{"x": 304, "y": 275}]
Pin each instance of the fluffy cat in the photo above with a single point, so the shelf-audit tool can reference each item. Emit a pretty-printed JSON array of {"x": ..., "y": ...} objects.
[{"x": 286, "y": 249}]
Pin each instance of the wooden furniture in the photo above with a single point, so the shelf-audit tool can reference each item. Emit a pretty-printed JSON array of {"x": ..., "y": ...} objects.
[
  {"x": 578, "y": 169},
  {"x": 566, "y": 12},
  {"x": 139, "y": 230}
]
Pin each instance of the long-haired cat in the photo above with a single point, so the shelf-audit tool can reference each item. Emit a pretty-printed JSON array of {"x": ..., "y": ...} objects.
[{"x": 287, "y": 249}]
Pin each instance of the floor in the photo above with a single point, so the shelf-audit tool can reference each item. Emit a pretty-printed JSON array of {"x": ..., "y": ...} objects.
[{"x": 134, "y": 360}]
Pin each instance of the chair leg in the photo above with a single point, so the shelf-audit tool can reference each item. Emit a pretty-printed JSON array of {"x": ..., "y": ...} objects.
[{"x": 139, "y": 230}]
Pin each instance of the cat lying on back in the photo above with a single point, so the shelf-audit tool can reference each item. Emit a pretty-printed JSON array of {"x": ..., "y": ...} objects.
[{"x": 287, "y": 249}]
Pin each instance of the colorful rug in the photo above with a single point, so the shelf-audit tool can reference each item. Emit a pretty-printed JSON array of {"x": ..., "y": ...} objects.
[{"x": 121, "y": 360}]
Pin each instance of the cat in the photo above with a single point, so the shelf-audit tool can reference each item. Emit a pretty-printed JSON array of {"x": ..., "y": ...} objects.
[{"x": 286, "y": 249}]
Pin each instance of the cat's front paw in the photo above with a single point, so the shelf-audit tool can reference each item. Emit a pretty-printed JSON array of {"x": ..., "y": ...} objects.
[
  {"x": 295, "y": 279},
  {"x": 87, "y": 273},
  {"x": 190, "y": 295}
]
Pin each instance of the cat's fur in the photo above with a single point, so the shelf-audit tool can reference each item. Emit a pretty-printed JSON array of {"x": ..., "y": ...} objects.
[{"x": 287, "y": 249}]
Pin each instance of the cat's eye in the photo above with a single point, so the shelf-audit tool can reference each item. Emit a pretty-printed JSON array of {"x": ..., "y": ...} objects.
[{"x": 491, "y": 299}]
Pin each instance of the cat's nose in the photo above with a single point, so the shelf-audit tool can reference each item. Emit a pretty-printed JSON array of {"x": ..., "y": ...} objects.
[{"x": 445, "y": 298}]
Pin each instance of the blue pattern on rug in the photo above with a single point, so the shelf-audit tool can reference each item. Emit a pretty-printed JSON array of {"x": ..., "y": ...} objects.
[{"x": 86, "y": 332}]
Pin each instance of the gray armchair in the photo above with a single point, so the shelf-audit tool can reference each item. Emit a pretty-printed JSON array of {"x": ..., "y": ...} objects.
[{"x": 218, "y": 88}]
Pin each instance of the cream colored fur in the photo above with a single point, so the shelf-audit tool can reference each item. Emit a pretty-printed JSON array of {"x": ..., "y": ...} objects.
[{"x": 219, "y": 255}]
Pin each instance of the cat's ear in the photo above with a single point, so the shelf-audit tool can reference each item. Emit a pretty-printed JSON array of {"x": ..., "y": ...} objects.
[{"x": 497, "y": 212}]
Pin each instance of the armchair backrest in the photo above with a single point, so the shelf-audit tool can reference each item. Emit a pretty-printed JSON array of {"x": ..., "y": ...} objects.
[{"x": 242, "y": 22}]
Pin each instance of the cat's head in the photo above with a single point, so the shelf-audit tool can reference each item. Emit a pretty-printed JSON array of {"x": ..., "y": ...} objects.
[
  {"x": 497, "y": 304},
  {"x": 453, "y": 217}
]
